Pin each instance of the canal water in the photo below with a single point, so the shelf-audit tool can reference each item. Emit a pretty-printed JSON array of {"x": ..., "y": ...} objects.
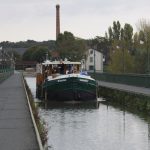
[{"x": 105, "y": 128}]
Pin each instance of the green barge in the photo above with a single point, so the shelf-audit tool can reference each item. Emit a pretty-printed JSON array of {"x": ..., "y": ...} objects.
[{"x": 64, "y": 81}]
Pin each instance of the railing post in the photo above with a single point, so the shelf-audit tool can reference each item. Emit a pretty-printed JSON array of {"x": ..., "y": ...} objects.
[{"x": 94, "y": 63}]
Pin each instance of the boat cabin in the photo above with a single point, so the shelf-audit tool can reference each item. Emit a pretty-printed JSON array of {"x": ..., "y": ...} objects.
[{"x": 52, "y": 69}]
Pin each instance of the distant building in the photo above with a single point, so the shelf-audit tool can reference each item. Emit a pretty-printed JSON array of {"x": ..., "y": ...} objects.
[
  {"x": 20, "y": 51},
  {"x": 22, "y": 65},
  {"x": 54, "y": 54},
  {"x": 94, "y": 57}
]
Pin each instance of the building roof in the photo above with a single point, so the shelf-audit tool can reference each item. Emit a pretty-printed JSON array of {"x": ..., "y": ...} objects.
[
  {"x": 20, "y": 51},
  {"x": 47, "y": 62}
]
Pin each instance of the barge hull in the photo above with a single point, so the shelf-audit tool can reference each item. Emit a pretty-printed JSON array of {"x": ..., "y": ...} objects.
[{"x": 71, "y": 89}]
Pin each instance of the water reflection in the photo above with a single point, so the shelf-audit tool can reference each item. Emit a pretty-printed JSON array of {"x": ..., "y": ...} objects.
[
  {"x": 69, "y": 105},
  {"x": 106, "y": 128}
]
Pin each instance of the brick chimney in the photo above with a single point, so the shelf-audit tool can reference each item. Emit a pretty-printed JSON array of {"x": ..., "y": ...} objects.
[{"x": 57, "y": 20}]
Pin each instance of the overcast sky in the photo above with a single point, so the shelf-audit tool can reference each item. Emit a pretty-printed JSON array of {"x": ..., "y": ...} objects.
[{"x": 35, "y": 19}]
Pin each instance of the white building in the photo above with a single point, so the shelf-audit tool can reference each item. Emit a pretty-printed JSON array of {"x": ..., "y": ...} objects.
[{"x": 94, "y": 58}]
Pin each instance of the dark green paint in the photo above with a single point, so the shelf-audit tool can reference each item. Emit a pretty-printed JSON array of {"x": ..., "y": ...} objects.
[
  {"x": 72, "y": 83},
  {"x": 141, "y": 80}
]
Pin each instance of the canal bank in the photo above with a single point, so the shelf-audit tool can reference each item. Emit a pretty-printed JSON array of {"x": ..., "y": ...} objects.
[
  {"x": 16, "y": 127},
  {"x": 128, "y": 99}
]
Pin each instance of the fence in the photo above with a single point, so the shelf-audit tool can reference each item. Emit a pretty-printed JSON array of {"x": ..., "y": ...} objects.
[
  {"x": 5, "y": 73},
  {"x": 141, "y": 80}
]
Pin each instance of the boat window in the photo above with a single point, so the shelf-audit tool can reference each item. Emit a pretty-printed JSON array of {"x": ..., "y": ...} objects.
[
  {"x": 54, "y": 70},
  {"x": 76, "y": 69},
  {"x": 62, "y": 68}
]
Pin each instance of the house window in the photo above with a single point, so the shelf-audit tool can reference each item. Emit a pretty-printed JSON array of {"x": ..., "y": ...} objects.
[
  {"x": 91, "y": 67},
  {"x": 91, "y": 52},
  {"x": 91, "y": 59}
]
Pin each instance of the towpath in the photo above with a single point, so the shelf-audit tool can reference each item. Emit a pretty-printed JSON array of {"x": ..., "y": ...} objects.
[
  {"x": 127, "y": 88},
  {"x": 16, "y": 128}
]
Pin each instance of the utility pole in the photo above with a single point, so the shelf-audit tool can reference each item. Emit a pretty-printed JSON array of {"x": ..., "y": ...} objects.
[
  {"x": 123, "y": 59},
  {"x": 94, "y": 69},
  {"x": 147, "y": 47},
  {"x": 147, "y": 36},
  {"x": 1, "y": 59},
  {"x": 94, "y": 63}
]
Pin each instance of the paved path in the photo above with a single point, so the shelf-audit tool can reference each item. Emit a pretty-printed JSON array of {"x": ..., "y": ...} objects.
[
  {"x": 16, "y": 128},
  {"x": 128, "y": 88}
]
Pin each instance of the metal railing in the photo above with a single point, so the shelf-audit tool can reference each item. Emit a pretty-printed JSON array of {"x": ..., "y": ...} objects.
[
  {"x": 5, "y": 73},
  {"x": 141, "y": 80}
]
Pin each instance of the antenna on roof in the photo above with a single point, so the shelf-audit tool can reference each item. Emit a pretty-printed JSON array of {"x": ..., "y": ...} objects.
[{"x": 47, "y": 56}]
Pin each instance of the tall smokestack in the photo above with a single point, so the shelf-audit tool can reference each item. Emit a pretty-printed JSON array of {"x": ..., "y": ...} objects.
[{"x": 57, "y": 21}]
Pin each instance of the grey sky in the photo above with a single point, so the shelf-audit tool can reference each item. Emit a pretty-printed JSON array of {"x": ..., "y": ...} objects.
[{"x": 35, "y": 19}]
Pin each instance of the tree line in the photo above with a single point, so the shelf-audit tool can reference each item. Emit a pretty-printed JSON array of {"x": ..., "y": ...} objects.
[
  {"x": 27, "y": 44},
  {"x": 124, "y": 51}
]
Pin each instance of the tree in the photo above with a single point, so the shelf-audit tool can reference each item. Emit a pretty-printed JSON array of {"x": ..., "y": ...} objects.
[
  {"x": 144, "y": 31},
  {"x": 27, "y": 44},
  {"x": 116, "y": 64},
  {"x": 39, "y": 54},
  {"x": 117, "y": 33},
  {"x": 128, "y": 34},
  {"x": 116, "y": 30},
  {"x": 16, "y": 56},
  {"x": 142, "y": 47},
  {"x": 120, "y": 48},
  {"x": 122, "y": 34},
  {"x": 27, "y": 56},
  {"x": 36, "y": 53},
  {"x": 110, "y": 33},
  {"x": 140, "y": 63},
  {"x": 70, "y": 47}
]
